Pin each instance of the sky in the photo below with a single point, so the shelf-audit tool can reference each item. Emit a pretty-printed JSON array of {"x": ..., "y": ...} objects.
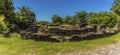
[{"x": 45, "y": 9}]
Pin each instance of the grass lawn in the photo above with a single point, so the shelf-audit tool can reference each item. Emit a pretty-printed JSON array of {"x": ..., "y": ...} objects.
[{"x": 16, "y": 46}]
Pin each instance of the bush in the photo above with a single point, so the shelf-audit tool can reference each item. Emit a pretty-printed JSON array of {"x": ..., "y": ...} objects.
[
  {"x": 25, "y": 17},
  {"x": 56, "y": 20},
  {"x": 3, "y": 26},
  {"x": 103, "y": 18}
]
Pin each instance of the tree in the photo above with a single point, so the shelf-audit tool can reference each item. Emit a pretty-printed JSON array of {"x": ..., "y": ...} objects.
[
  {"x": 7, "y": 9},
  {"x": 81, "y": 17},
  {"x": 70, "y": 20},
  {"x": 67, "y": 19},
  {"x": 94, "y": 18},
  {"x": 56, "y": 20},
  {"x": 25, "y": 17},
  {"x": 116, "y": 7},
  {"x": 103, "y": 18},
  {"x": 78, "y": 18}
]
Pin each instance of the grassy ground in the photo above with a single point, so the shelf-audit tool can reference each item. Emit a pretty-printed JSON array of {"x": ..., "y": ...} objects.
[{"x": 16, "y": 46}]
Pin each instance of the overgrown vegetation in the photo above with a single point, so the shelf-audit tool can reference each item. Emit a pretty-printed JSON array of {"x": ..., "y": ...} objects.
[
  {"x": 103, "y": 18},
  {"x": 3, "y": 26},
  {"x": 25, "y": 17},
  {"x": 109, "y": 19},
  {"x": 7, "y": 9}
]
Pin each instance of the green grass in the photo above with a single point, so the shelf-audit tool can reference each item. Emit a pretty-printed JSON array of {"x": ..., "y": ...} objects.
[{"x": 16, "y": 46}]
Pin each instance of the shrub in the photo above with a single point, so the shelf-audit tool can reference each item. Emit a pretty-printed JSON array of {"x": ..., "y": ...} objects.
[
  {"x": 103, "y": 18},
  {"x": 3, "y": 26}
]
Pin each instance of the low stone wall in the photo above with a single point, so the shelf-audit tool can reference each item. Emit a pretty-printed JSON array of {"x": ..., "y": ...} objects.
[
  {"x": 39, "y": 33},
  {"x": 40, "y": 37},
  {"x": 91, "y": 36},
  {"x": 33, "y": 29},
  {"x": 77, "y": 37},
  {"x": 5, "y": 33},
  {"x": 35, "y": 36},
  {"x": 14, "y": 29},
  {"x": 61, "y": 32}
]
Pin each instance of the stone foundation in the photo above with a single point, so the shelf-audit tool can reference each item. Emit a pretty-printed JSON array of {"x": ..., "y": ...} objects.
[{"x": 45, "y": 34}]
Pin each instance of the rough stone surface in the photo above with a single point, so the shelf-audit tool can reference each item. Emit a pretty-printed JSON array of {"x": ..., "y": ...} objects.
[
  {"x": 67, "y": 32},
  {"x": 14, "y": 29},
  {"x": 33, "y": 28},
  {"x": 39, "y": 33}
]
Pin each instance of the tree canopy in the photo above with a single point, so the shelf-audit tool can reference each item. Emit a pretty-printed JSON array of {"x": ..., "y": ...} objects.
[
  {"x": 116, "y": 7},
  {"x": 7, "y": 9},
  {"x": 25, "y": 17},
  {"x": 81, "y": 17},
  {"x": 56, "y": 20}
]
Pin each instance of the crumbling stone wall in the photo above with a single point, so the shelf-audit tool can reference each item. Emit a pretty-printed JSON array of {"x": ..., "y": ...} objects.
[
  {"x": 39, "y": 33},
  {"x": 118, "y": 26},
  {"x": 14, "y": 29},
  {"x": 33, "y": 28},
  {"x": 35, "y": 36},
  {"x": 62, "y": 32},
  {"x": 90, "y": 36}
]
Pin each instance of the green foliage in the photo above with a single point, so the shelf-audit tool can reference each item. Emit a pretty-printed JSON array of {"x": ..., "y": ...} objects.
[
  {"x": 3, "y": 26},
  {"x": 68, "y": 20},
  {"x": 81, "y": 17},
  {"x": 103, "y": 18},
  {"x": 25, "y": 17},
  {"x": 42, "y": 23},
  {"x": 116, "y": 7},
  {"x": 7, "y": 9},
  {"x": 78, "y": 18},
  {"x": 57, "y": 20}
]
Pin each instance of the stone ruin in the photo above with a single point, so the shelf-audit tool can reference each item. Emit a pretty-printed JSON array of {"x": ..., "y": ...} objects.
[
  {"x": 58, "y": 34},
  {"x": 40, "y": 33},
  {"x": 12, "y": 29},
  {"x": 118, "y": 26}
]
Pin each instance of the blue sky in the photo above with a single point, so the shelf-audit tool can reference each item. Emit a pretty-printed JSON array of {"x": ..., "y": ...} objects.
[{"x": 45, "y": 9}]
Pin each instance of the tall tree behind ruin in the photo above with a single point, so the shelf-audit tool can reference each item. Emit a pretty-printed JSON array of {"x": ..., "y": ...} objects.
[
  {"x": 81, "y": 17},
  {"x": 7, "y": 9},
  {"x": 116, "y": 7},
  {"x": 57, "y": 20},
  {"x": 25, "y": 17}
]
